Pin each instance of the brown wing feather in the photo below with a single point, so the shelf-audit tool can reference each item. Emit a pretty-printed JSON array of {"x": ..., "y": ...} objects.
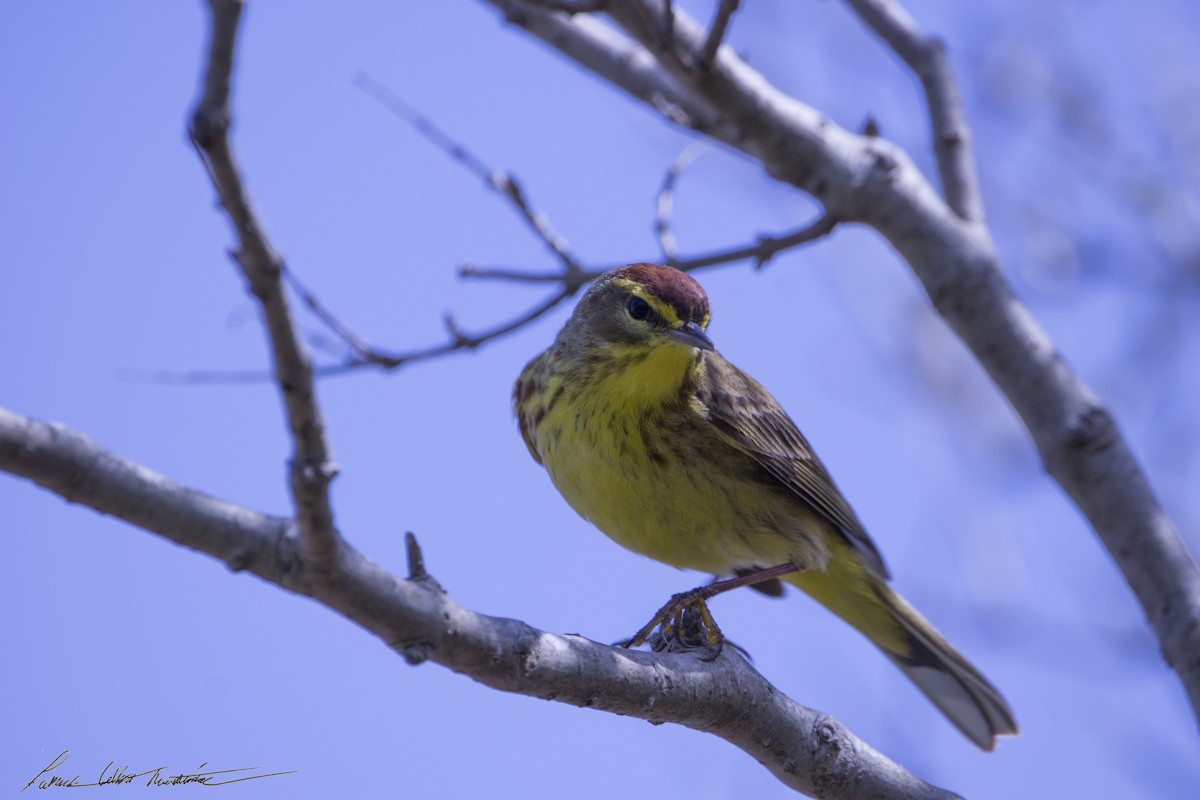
[
  {"x": 523, "y": 402},
  {"x": 745, "y": 412}
]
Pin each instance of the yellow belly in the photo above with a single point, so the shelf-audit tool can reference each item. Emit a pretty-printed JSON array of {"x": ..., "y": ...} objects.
[{"x": 685, "y": 497}]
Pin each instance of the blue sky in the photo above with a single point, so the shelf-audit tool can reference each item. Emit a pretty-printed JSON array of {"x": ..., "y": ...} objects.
[{"x": 125, "y": 647}]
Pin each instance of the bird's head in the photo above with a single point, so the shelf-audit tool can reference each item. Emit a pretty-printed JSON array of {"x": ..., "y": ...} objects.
[{"x": 645, "y": 307}]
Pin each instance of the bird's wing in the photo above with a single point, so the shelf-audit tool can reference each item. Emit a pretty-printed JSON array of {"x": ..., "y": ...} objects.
[
  {"x": 524, "y": 402},
  {"x": 741, "y": 409}
]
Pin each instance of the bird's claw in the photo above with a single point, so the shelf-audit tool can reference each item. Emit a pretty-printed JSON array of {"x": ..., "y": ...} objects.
[{"x": 683, "y": 624}]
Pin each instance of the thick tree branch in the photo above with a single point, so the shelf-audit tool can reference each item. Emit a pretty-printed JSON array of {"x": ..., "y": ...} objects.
[
  {"x": 870, "y": 180},
  {"x": 311, "y": 467},
  {"x": 622, "y": 62},
  {"x": 807, "y": 750},
  {"x": 926, "y": 57}
]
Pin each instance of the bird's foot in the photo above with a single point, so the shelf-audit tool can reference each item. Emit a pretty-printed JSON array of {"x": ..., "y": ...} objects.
[
  {"x": 683, "y": 623},
  {"x": 691, "y": 630}
]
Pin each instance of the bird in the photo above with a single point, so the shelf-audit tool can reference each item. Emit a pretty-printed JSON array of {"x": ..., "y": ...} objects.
[{"x": 676, "y": 454}]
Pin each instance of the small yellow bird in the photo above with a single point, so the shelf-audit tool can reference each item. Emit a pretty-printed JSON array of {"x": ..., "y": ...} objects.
[{"x": 678, "y": 455}]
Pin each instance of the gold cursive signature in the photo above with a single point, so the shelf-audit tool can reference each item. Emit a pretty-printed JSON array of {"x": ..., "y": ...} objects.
[{"x": 118, "y": 775}]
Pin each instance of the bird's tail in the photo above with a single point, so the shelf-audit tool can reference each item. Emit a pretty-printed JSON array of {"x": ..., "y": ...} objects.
[{"x": 862, "y": 599}]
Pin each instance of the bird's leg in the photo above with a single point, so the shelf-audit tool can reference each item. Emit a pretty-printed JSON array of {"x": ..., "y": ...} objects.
[{"x": 698, "y": 599}]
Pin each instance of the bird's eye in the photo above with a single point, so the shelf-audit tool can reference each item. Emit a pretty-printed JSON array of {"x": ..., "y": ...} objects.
[{"x": 637, "y": 307}]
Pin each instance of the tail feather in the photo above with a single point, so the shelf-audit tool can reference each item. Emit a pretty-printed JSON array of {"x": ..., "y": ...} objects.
[
  {"x": 948, "y": 680},
  {"x": 862, "y": 599}
]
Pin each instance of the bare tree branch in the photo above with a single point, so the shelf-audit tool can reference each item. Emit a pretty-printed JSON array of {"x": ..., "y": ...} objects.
[
  {"x": 763, "y": 250},
  {"x": 572, "y": 277},
  {"x": 926, "y": 57},
  {"x": 366, "y": 355},
  {"x": 622, "y": 62},
  {"x": 616, "y": 58},
  {"x": 806, "y": 750},
  {"x": 766, "y": 248},
  {"x": 362, "y": 351},
  {"x": 664, "y": 206},
  {"x": 499, "y": 181},
  {"x": 464, "y": 341},
  {"x": 571, "y": 6},
  {"x": 214, "y": 107},
  {"x": 868, "y": 179},
  {"x": 311, "y": 467}
]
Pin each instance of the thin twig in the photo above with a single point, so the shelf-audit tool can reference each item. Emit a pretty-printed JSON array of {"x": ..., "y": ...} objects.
[
  {"x": 514, "y": 274},
  {"x": 665, "y": 203},
  {"x": 195, "y": 377},
  {"x": 664, "y": 42},
  {"x": 570, "y": 7},
  {"x": 311, "y": 466},
  {"x": 926, "y": 57},
  {"x": 358, "y": 345},
  {"x": 500, "y": 181},
  {"x": 365, "y": 355},
  {"x": 716, "y": 33},
  {"x": 518, "y": 275},
  {"x": 761, "y": 251},
  {"x": 766, "y": 248},
  {"x": 458, "y": 340},
  {"x": 668, "y": 29},
  {"x": 571, "y": 277}
]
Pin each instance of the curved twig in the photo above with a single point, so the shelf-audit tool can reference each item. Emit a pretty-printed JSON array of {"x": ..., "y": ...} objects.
[
  {"x": 500, "y": 181},
  {"x": 664, "y": 205}
]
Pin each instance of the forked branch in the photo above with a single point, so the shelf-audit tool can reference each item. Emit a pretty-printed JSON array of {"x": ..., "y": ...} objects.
[
  {"x": 570, "y": 278},
  {"x": 926, "y": 57},
  {"x": 760, "y": 252}
]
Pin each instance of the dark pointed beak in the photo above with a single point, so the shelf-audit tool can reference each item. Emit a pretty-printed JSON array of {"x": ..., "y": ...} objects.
[{"x": 692, "y": 335}]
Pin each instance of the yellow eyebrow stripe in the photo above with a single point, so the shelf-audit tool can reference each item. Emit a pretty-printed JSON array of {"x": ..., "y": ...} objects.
[{"x": 667, "y": 312}]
